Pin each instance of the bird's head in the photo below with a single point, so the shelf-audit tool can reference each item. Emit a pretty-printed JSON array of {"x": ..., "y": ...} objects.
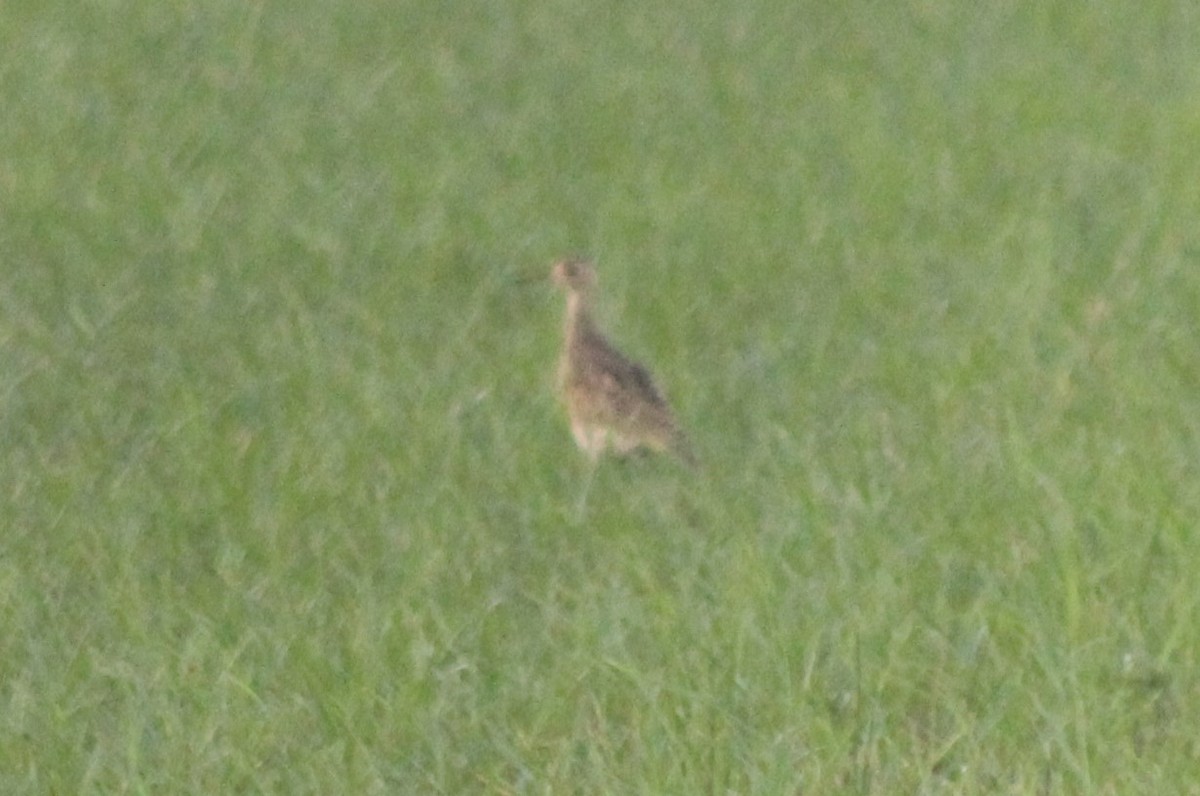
[{"x": 575, "y": 275}]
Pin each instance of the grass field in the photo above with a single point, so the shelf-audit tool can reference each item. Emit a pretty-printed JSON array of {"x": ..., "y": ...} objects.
[{"x": 287, "y": 504}]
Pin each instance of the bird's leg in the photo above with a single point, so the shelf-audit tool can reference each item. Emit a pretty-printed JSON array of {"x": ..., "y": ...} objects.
[{"x": 581, "y": 503}]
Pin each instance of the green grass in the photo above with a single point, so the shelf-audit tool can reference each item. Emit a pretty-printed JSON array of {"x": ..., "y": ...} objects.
[{"x": 286, "y": 502}]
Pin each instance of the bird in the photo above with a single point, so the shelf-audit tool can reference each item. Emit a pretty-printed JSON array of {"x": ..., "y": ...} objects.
[{"x": 611, "y": 400}]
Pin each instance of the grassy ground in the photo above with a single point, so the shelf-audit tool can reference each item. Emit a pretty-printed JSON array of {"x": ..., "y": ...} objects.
[{"x": 286, "y": 503}]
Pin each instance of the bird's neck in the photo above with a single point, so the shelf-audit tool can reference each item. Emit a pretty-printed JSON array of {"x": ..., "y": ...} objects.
[{"x": 579, "y": 317}]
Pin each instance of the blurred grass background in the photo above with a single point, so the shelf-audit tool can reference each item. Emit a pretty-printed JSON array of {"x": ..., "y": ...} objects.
[{"x": 286, "y": 503}]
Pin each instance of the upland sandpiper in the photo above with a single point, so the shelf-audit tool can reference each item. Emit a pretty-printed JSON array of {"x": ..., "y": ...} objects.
[{"x": 611, "y": 400}]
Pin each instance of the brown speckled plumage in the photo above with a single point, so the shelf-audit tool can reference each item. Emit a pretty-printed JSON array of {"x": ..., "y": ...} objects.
[{"x": 610, "y": 399}]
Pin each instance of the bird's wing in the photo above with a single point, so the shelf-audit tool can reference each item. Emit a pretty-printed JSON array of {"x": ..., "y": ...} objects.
[
  {"x": 624, "y": 381},
  {"x": 640, "y": 380},
  {"x": 630, "y": 399}
]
